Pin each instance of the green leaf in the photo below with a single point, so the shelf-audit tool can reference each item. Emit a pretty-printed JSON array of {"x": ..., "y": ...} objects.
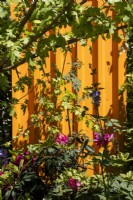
[
  {"x": 12, "y": 112},
  {"x": 126, "y": 18},
  {"x": 3, "y": 12},
  {"x": 90, "y": 149},
  {"x": 108, "y": 124},
  {"x": 7, "y": 194}
]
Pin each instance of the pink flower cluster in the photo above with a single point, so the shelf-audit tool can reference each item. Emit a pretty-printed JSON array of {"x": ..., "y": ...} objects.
[
  {"x": 102, "y": 141},
  {"x": 1, "y": 173},
  {"x": 73, "y": 184},
  {"x": 61, "y": 139},
  {"x": 20, "y": 157}
]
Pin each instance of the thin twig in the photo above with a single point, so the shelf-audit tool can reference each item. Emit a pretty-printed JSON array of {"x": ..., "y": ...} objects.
[
  {"x": 26, "y": 17},
  {"x": 65, "y": 55},
  {"x": 83, "y": 2},
  {"x": 68, "y": 119}
]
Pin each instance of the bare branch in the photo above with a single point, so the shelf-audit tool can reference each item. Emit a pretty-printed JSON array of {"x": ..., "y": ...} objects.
[
  {"x": 83, "y": 2},
  {"x": 27, "y": 16}
]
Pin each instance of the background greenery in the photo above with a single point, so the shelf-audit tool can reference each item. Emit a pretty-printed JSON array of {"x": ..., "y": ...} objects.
[{"x": 44, "y": 169}]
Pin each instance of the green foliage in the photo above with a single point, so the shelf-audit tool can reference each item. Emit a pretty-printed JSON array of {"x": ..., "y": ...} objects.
[
  {"x": 5, "y": 108},
  {"x": 85, "y": 22},
  {"x": 46, "y": 169},
  {"x": 56, "y": 168},
  {"x": 119, "y": 187},
  {"x": 128, "y": 87}
]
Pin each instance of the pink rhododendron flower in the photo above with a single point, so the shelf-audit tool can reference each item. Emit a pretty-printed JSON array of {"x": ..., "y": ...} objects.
[
  {"x": 101, "y": 141},
  {"x": 97, "y": 138},
  {"x": 108, "y": 137},
  {"x": 61, "y": 139},
  {"x": 19, "y": 158},
  {"x": 73, "y": 184},
  {"x": 1, "y": 173},
  {"x": 27, "y": 153}
]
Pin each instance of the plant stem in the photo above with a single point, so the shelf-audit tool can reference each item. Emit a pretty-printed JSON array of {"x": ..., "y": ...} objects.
[
  {"x": 101, "y": 163},
  {"x": 68, "y": 119}
]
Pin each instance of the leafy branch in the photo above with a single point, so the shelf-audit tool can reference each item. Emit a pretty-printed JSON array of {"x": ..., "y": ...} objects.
[
  {"x": 26, "y": 17},
  {"x": 53, "y": 24},
  {"x": 33, "y": 56}
]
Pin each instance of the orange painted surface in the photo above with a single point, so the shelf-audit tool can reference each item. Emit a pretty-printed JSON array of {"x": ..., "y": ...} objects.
[
  {"x": 20, "y": 123},
  {"x": 110, "y": 66}
]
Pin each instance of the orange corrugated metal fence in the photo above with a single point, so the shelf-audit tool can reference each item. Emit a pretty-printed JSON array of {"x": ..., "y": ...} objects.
[{"x": 110, "y": 66}]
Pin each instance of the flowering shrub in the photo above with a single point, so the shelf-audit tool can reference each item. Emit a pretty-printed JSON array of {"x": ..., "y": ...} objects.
[
  {"x": 51, "y": 170},
  {"x": 61, "y": 139},
  {"x": 92, "y": 187},
  {"x": 74, "y": 184},
  {"x": 57, "y": 168},
  {"x": 102, "y": 139},
  {"x": 51, "y": 160}
]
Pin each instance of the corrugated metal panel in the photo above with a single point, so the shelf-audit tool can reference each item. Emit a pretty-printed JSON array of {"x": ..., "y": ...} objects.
[
  {"x": 110, "y": 67},
  {"x": 110, "y": 73}
]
